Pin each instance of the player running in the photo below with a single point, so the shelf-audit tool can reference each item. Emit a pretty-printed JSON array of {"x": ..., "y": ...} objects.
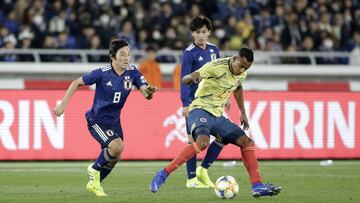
[
  {"x": 113, "y": 85},
  {"x": 196, "y": 55},
  {"x": 217, "y": 80}
]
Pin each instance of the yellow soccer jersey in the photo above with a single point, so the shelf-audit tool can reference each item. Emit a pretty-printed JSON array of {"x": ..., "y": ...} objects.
[{"x": 216, "y": 86}]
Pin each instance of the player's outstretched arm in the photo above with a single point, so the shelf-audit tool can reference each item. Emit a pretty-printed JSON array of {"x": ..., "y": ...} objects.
[
  {"x": 193, "y": 77},
  {"x": 239, "y": 97},
  {"x": 60, "y": 108},
  {"x": 148, "y": 91}
]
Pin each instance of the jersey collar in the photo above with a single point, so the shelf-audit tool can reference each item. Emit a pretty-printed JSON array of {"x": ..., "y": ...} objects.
[
  {"x": 113, "y": 69},
  {"x": 206, "y": 46},
  {"x": 230, "y": 66}
]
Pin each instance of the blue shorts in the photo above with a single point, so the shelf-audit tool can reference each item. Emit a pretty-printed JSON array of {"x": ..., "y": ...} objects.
[
  {"x": 224, "y": 130},
  {"x": 105, "y": 134}
]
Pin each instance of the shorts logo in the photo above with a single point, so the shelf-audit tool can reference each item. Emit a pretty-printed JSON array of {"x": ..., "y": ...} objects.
[
  {"x": 203, "y": 120},
  {"x": 110, "y": 132}
]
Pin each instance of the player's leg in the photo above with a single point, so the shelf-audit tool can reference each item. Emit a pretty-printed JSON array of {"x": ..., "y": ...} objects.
[
  {"x": 114, "y": 148},
  {"x": 212, "y": 153},
  {"x": 250, "y": 162},
  {"x": 111, "y": 148},
  {"x": 201, "y": 123},
  {"x": 106, "y": 170},
  {"x": 232, "y": 133},
  {"x": 192, "y": 181}
]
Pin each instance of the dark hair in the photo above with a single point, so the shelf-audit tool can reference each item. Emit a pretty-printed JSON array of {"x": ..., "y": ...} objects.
[
  {"x": 115, "y": 45},
  {"x": 247, "y": 53},
  {"x": 151, "y": 47},
  {"x": 199, "y": 22}
]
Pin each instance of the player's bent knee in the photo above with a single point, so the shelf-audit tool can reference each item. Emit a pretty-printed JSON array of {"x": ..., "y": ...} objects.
[
  {"x": 245, "y": 141},
  {"x": 203, "y": 142},
  {"x": 204, "y": 145},
  {"x": 116, "y": 147}
]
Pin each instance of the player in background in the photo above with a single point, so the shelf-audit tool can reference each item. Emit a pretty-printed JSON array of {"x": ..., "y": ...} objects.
[
  {"x": 218, "y": 79},
  {"x": 113, "y": 85},
  {"x": 196, "y": 55}
]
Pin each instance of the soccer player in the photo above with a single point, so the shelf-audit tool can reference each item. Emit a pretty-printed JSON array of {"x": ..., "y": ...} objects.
[
  {"x": 196, "y": 55},
  {"x": 113, "y": 85},
  {"x": 218, "y": 79}
]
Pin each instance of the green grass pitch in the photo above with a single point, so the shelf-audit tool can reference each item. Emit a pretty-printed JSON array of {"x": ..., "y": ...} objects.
[{"x": 302, "y": 181}]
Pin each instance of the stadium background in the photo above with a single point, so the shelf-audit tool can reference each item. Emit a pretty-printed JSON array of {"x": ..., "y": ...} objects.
[{"x": 302, "y": 94}]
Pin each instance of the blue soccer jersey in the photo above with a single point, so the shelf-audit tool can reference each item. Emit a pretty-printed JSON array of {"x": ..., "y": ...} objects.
[
  {"x": 111, "y": 92},
  {"x": 194, "y": 58}
]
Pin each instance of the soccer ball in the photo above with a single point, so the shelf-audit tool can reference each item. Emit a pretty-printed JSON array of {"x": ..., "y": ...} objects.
[{"x": 226, "y": 187}]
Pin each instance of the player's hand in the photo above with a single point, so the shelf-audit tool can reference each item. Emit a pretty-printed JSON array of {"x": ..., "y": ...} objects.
[
  {"x": 58, "y": 110},
  {"x": 196, "y": 77},
  {"x": 185, "y": 111},
  {"x": 227, "y": 105},
  {"x": 244, "y": 121},
  {"x": 150, "y": 89}
]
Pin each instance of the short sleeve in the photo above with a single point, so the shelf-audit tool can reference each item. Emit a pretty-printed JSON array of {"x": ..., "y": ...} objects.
[
  {"x": 92, "y": 77},
  {"x": 139, "y": 79}
]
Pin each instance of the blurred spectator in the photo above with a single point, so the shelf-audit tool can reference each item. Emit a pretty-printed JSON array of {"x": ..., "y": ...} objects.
[
  {"x": 141, "y": 39},
  {"x": 150, "y": 68},
  {"x": 355, "y": 48},
  {"x": 48, "y": 43},
  {"x": 291, "y": 35},
  {"x": 9, "y": 43},
  {"x": 10, "y": 22},
  {"x": 290, "y": 60},
  {"x": 307, "y": 45},
  {"x": 127, "y": 33},
  {"x": 25, "y": 37},
  {"x": 85, "y": 37},
  {"x": 260, "y": 25},
  {"x": 4, "y": 32},
  {"x": 65, "y": 41},
  {"x": 95, "y": 44}
]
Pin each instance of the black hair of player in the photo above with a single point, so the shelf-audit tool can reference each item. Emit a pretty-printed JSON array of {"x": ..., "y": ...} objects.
[
  {"x": 247, "y": 53},
  {"x": 115, "y": 45},
  {"x": 199, "y": 22}
]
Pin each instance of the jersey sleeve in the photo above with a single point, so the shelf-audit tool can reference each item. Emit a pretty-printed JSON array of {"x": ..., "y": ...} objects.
[
  {"x": 186, "y": 63},
  {"x": 92, "y": 77},
  {"x": 139, "y": 79}
]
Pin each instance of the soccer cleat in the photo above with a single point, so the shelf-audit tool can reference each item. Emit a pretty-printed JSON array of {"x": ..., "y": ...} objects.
[
  {"x": 260, "y": 189},
  {"x": 158, "y": 180},
  {"x": 202, "y": 175},
  {"x": 195, "y": 183},
  {"x": 94, "y": 183},
  {"x": 97, "y": 190}
]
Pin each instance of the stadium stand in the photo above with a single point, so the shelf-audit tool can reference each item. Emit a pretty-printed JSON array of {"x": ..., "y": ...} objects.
[{"x": 311, "y": 34}]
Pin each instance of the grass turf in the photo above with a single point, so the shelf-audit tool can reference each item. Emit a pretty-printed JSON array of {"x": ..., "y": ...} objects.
[{"x": 302, "y": 181}]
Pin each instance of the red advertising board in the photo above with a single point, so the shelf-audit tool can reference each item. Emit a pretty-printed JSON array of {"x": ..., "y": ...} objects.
[{"x": 284, "y": 125}]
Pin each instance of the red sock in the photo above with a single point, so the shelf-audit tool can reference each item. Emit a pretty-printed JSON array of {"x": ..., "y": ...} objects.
[
  {"x": 251, "y": 163},
  {"x": 184, "y": 155}
]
